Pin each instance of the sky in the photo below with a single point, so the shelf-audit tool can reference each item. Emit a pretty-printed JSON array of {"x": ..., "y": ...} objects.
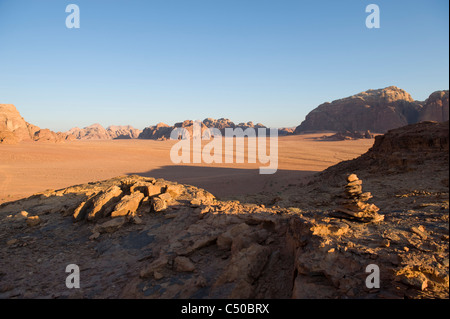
[{"x": 268, "y": 61}]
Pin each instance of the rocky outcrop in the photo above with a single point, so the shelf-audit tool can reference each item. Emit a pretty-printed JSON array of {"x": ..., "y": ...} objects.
[
  {"x": 158, "y": 132},
  {"x": 405, "y": 149},
  {"x": 98, "y": 132},
  {"x": 374, "y": 110},
  {"x": 201, "y": 247},
  {"x": 435, "y": 108},
  {"x": 347, "y": 135},
  {"x": 162, "y": 131},
  {"x": 12, "y": 122},
  {"x": 13, "y": 128},
  {"x": 123, "y": 132},
  {"x": 285, "y": 131}
]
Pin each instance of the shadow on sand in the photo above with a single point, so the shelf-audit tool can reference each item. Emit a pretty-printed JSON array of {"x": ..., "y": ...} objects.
[{"x": 226, "y": 182}]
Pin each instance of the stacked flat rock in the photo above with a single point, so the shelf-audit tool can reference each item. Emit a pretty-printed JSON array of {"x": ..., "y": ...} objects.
[{"x": 355, "y": 206}]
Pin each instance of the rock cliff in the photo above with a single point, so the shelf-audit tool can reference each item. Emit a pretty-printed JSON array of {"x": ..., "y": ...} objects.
[
  {"x": 375, "y": 110},
  {"x": 436, "y": 107},
  {"x": 13, "y": 128}
]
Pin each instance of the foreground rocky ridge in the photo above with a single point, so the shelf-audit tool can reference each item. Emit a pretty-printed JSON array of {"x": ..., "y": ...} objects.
[{"x": 199, "y": 247}]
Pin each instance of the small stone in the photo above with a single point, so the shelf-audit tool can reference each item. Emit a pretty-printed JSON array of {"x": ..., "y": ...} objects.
[
  {"x": 196, "y": 203},
  {"x": 352, "y": 178},
  {"x": 385, "y": 243},
  {"x": 184, "y": 264},
  {"x": 419, "y": 230},
  {"x": 157, "y": 205},
  {"x": 22, "y": 215},
  {"x": 419, "y": 281},
  {"x": 201, "y": 282},
  {"x": 136, "y": 219},
  {"x": 11, "y": 242},
  {"x": 157, "y": 275},
  {"x": 166, "y": 197},
  {"x": 110, "y": 226},
  {"x": 150, "y": 269},
  {"x": 33, "y": 221},
  {"x": 94, "y": 236},
  {"x": 354, "y": 183},
  {"x": 365, "y": 196}
]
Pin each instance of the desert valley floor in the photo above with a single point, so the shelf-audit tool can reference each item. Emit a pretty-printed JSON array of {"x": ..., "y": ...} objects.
[{"x": 28, "y": 167}]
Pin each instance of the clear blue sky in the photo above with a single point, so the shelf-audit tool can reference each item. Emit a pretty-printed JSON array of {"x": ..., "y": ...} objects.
[{"x": 268, "y": 61}]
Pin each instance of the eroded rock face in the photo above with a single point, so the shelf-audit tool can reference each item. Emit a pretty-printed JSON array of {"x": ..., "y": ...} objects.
[
  {"x": 98, "y": 132},
  {"x": 11, "y": 121},
  {"x": 435, "y": 108},
  {"x": 347, "y": 135},
  {"x": 162, "y": 131},
  {"x": 421, "y": 146},
  {"x": 374, "y": 110},
  {"x": 13, "y": 128},
  {"x": 159, "y": 131}
]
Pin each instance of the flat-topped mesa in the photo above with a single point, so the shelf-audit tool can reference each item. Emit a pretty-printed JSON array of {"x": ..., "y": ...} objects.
[{"x": 354, "y": 206}]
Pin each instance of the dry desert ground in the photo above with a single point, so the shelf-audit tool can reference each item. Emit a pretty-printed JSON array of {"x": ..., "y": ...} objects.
[{"x": 29, "y": 167}]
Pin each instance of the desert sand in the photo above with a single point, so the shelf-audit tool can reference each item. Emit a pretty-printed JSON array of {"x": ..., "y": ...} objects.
[{"x": 28, "y": 168}]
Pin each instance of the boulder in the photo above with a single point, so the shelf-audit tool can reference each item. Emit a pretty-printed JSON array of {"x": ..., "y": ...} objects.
[
  {"x": 183, "y": 264},
  {"x": 128, "y": 205},
  {"x": 103, "y": 201}
]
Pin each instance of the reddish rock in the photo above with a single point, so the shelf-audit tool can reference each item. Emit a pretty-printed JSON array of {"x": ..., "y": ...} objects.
[
  {"x": 374, "y": 110},
  {"x": 435, "y": 108}
]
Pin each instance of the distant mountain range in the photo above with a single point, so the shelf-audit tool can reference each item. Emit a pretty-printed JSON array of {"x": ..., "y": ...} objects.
[
  {"x": 376, "y": 111},
  {"x": 98, "y": 132}
]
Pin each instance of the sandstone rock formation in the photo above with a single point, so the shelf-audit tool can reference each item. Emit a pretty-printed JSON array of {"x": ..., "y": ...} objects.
[
  {"x": 13, "y": 128},
  {"x": 347, "y": 135},
  {"x": 374, "y": 110},
  {"x": 404, "y": 149},
  {"x": 435, "y": 108},
  {"x": 159, "y": 131},
  {"x": 11, "y": 121},
  {"x": 286, "y": 131},
  {"x": 123, "y": 132},
  {"x": 98, "y": 132},
  {"x": 162, "y": 131}
]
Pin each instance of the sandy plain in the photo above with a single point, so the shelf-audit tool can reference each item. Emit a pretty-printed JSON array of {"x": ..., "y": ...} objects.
[{"x": 29, "y": 168}]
